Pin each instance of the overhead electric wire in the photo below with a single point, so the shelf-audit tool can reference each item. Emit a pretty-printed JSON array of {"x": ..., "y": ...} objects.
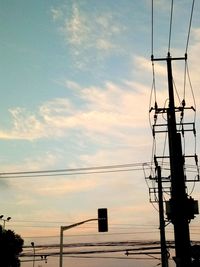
[
  {"x": 68, "y": 174},
  {"x": 73, "y": 171},
  {"x": 154, "y": 162},
  {"x": 170, "y": 25},
  {"x": 83, "y": 171},
  {"x": 117, "y": 258},
  {"x": 189, "y": 29},
  {"x": 152, "y": 15}
]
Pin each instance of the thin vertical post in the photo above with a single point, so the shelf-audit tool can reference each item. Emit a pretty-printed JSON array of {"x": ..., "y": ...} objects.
[
  {"x": 61, "y": 246},
  {"x": 62, "y": 229},
  {"x": 164, "y": 253}
]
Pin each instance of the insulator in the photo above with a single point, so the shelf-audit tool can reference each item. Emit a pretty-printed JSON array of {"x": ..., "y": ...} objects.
[
  {"x": 181, "y": 115},
  {"x": 185, "y": 56},
  {"x": 155, "y": 118},
  {"x": 194, "y": 131},
  {"x": 196, "y": 159},
  {"x": 156, "y": 106},
  {"x": 153, "y": 132},
  {"x": 182, "y": 131},
  {"x": 183, "y": 102},
  {"x": 155, "y": 161}
]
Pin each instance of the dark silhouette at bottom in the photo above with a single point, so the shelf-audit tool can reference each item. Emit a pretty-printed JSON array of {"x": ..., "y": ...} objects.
[
  {"x": 10, "y": 247},
  {"x": 195, "y": 253}
]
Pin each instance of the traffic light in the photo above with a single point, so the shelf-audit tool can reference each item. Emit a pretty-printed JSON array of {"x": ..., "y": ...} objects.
[{"x": 103, "y": 220}]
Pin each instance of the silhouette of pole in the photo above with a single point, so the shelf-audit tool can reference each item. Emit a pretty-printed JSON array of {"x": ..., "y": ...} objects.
[
  {"x": 62, "y": 229},
  {"x": 164, "y": 253},
  {"x": 179, "y": 197},
  {"x": 33, "y": 246}
]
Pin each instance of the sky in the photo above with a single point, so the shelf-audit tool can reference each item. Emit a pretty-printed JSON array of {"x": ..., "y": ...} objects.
[{"x": 76, "y": 79}]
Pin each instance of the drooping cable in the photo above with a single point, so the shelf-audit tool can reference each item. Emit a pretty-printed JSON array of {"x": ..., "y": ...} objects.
[
  {"x": 192, "y": 92},
  {"x": 195, "y": 137},
  {"x": 191, "y": 88},
  {"x": 177, "y": 94},
  {"x": 164, "y": 148}
]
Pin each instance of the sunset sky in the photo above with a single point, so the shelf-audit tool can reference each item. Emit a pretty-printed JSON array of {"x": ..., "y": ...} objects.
[{"x": 75, "y": 81}]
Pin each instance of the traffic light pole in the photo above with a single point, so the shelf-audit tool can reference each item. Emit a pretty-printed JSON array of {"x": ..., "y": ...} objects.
[
  {"x": 62, "y": 229},
  {"x": 179, "y": 198},
  {"x": 102, "y": 227}
]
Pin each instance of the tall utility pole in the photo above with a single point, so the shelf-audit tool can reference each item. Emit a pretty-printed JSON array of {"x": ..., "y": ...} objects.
[
  {"x": 179, "y": 198},
  {"x": 179, "y": 202}
]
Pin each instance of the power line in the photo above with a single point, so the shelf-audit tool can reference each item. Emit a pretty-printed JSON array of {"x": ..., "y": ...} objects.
[
  {"x": 170, "y": 25},
  {"x": 91, "y": 170},
  {"x": 152, "y": 15},
  {"x": 75, "y": 171},
  {"x": 189, "y": 29},
  {"x": 68, "y": 174}
]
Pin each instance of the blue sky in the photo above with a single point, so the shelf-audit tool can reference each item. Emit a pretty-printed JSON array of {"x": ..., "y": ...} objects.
[{"x": 75, "y": 86}]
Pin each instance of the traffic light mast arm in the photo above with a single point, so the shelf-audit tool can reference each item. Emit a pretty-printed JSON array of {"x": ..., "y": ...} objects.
[
  {"x": 102, "y": 225},
  {"x": 63, "y": 228},
  {"x": 77, "y": 224}
]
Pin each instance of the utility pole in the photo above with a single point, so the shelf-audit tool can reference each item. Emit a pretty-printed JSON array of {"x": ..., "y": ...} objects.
[
  {"x": 164, "y": 252},
  {"x": 179, "y": 198},
  {"x": 180, "y": 208},
  {"x": 179, "y": 202}
]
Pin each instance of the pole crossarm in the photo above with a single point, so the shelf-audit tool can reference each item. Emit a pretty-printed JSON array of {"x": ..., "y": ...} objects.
[{"x": 168, "y": 56}]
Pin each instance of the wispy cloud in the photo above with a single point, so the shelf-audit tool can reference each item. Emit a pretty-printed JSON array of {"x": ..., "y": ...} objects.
[
  {"x": 56, "y": 13},
  {"x": 109, "y": 110},
  {"x": 104, "y": 110},
  {"x": 88, "y": 35}
]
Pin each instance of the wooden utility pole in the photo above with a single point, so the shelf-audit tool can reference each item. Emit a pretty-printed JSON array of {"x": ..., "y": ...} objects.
[
  {"x": 179, "y": 198},
  {"x": 179, "y": 204}
]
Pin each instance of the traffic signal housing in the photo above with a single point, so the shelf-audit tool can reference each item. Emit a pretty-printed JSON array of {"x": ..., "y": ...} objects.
[{"x": 102, "y": 220}]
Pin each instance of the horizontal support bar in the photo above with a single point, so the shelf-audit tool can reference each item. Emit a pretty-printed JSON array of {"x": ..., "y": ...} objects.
[{"x": 167, "y": 58}]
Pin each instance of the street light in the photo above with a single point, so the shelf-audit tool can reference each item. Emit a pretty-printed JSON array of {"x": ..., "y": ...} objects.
[
  {"x": 4, "y": 220},
  {"x": 102, "y": 226}
]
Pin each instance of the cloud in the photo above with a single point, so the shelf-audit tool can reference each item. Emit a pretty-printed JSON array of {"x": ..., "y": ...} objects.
[
  {"x": 25, "y": 126},
  {"x": 76, "y": 27},
  {"x": 56, "y": 13},
  {"x": 111, "y": 111},
  {"x": 88, "y": 35},
  {"x": 66, "y": 187},
  {"x": 104, "y": 110},
  {"x": 44, "y": 161},
  {"x": 91, "y": 30}
]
